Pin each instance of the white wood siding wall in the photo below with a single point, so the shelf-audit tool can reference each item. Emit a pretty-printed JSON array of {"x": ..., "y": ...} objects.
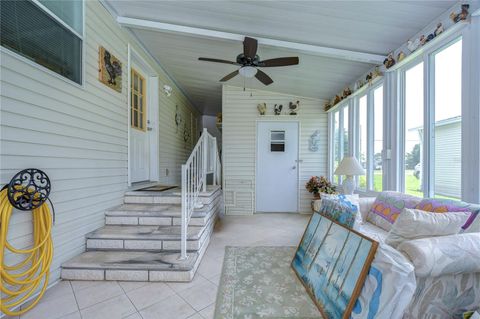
[
  {"x": 78, "y": 135},
  {"x": 240, "y": 116},
  {"x": 448, "y": 159}
]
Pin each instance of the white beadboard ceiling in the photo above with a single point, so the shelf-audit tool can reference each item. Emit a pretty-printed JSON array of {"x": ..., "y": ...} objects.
[{"x": 366, "y": 26}]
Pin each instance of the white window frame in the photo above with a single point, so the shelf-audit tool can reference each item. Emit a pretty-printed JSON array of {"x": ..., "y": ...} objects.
[
  {"x": 369, "y": 93},
  {"x": 345, "y": 106},
  {"x": 428, "y": 182},
  {"x": 45, "y": 69}
]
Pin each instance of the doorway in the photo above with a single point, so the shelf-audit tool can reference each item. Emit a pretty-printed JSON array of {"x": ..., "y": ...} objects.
[
  {"x": 277, "y": 166},
  {"x": 143, "y": 145}
]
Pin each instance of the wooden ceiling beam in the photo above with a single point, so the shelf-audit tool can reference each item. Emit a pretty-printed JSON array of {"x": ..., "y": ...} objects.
[{"x": 213, "y": 34}]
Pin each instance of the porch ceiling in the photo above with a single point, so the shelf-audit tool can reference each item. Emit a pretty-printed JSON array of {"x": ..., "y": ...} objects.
[{"x": 361, "y": 26}]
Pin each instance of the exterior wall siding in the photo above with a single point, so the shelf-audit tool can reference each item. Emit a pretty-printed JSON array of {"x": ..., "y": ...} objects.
[
  {"x": 79, "y": 136},
  {"x": 240, "y": 116}
]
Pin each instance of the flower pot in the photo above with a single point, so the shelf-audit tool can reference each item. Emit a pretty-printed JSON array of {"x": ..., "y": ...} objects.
[{"x": 316, "y": 196}]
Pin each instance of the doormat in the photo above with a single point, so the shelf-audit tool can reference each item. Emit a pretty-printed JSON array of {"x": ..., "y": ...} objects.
[
  {"x": 258, "y": 282},
  {"x": 156, "y": 188}
]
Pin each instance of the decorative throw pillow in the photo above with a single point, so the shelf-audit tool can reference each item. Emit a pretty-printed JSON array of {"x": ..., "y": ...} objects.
[
  {"x": 353, "y": 198},
  {"x": 340, "y": 210},
  {"x": 416, "y": 224},
  {"x": 388, "y": 206},
  {"x": 441, "y": 205}
]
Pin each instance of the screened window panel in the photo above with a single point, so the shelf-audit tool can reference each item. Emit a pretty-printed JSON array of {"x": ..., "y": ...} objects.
[
  {"x": 70, "y": 12},
  {"x": 32, "y": 33},
  {"x": 378, "y": 139},
  {"x": 362, "y": 140}
]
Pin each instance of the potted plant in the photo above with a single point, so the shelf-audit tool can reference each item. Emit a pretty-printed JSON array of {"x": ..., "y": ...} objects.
[{"x": 319, "y": 184}]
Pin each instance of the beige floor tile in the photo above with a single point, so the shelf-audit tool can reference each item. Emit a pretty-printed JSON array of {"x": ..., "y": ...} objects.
[
  {"x": 149, "y": 294},
  {"x": 82, "y": 284},
  {"x": 116, "y": 308},
  {"x": 208, "y": 312},
  {"x": 75, "y": 315},
  {"x": 134, "y": 316},
  {"x": 92, "y": 295},
  {"x": 180, "y": 286},
  {"x": 215, "y": 280},
  {"x": 131, "y": 285},
  {"x": 201, "y": 296},
  {"x": 53, "y": 306},
  {"x": 173, "y": 307},
  {"x": 210, "y": 267},
  {"x": 196, "y": 316}
]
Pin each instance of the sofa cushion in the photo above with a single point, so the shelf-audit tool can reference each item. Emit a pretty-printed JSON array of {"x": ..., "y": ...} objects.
[
  {"x": 415, "y": 224},
  {"x": 372, "y": 231},
  {"x": 340, "y": 210},
  {"x": 443, "y": 255},
  {"x": 440, "y": 205},
  {"x": 388, "y": 206}
]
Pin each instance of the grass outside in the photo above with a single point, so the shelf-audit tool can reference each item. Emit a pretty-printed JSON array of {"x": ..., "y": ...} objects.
[{"x": 412, "y": 184}]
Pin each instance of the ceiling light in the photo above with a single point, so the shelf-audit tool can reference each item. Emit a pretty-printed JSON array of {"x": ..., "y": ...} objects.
[{"x": 248, "y": 71}]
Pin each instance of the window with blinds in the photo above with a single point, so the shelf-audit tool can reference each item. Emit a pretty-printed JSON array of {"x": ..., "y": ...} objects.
[{"x": 41, "y": 36}]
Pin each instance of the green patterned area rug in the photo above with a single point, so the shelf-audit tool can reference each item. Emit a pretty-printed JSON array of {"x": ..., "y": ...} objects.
[{"x": 258, "y": 282}]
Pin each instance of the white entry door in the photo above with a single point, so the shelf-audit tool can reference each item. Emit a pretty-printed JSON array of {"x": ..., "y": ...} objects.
[
  {"x": 277, "y": 167},
  {"x": 139, "y": 130}
]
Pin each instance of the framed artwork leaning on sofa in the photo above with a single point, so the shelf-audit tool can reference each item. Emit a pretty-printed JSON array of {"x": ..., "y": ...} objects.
[{"x": 332, "y": 262}]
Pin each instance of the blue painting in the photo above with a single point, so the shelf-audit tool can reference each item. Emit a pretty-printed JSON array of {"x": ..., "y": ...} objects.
[{"x": 332, "y": 262}]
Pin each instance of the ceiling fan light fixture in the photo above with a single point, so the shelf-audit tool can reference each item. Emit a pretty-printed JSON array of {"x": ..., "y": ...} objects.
[{"x": 248, "y": 71}]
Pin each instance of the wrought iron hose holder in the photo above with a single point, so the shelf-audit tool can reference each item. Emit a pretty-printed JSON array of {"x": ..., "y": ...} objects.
[{"x": 29, "y": 189}]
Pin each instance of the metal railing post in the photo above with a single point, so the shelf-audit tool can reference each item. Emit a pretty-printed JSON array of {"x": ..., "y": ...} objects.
[
  {"x": 183, "y": 244},
  {"x": 214, "y": 160},
  {"x": 205, "y": 159}
]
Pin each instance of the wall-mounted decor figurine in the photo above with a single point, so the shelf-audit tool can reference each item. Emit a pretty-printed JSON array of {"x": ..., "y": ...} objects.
[
  {"x": 359, "y": 84},
  {"x": 376, "y": 72},
  {"x": 369, "y": 78},
  {"x": 462, "y": 15},
  {"x": 277, "y": 109},
  {"x": 389, "y": 61},
  {"x": 346, "y": 92},
  {"x": 109, "y": 70},
  {"x": 186, "y": 134},
  {"x": 327, "y": 106},
  {"x": 439, "y": 29},
  {"x": 262, "y": 108},
  {"x": 294, "y": 107},
  {"x": 178, "y": 118},
  {"x": 401, "y": 55},
  {"x": 423, "y": 40},
  {"x": 430, "y": 37},
  {"x": 314, "y": 141},
  {"x": 413, "y": 45},
  {"x": 336, "y": 99}
]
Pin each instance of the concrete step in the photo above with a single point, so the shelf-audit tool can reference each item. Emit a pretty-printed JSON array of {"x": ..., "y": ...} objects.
[
  {"x": 159, "y": 214},
  {"x": 147, "y": 238},
  {"x": 133, "y": 266},
  {"x": 172, "y": 196}
]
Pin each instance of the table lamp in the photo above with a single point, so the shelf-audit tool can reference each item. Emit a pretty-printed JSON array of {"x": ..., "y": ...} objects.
[{"x": 350, "y": 167}]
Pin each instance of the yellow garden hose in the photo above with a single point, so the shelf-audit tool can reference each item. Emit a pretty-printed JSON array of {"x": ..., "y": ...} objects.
[{"x": 21, "y": 281}]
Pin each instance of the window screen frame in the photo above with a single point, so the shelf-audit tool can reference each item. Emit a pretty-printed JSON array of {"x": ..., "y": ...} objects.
[
  {"x": 144, "y": 92},
  {"x": 42, "y": 68}
]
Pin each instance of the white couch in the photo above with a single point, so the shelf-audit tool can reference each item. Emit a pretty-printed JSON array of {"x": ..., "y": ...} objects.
[{"x": 435, "y": 277}]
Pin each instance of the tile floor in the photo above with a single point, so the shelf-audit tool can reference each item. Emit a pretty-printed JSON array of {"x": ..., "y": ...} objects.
[{"x": 193, "y": 300}]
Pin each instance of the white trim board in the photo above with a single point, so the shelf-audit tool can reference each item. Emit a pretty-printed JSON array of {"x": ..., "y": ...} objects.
[{"x": 207, "y": 33}]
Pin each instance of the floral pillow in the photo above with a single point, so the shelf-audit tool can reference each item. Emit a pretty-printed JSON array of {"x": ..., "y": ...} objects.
[
  {"x": 340, "y": 210},
  {"x": 388, "y": 206},
  {"x": 441, "y": 205}
]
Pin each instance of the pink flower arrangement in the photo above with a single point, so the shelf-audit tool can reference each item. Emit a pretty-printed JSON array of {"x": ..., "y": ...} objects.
[{"x": 319, "y": 184}]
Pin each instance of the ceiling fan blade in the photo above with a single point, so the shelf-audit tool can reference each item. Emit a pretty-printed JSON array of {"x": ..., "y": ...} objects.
[
  {"x": 229, "y": 76},
  {"x": 279, "y": 62},
  {"x": 218, "y": 61},
  {"x": 263, "y": 77},
  {"x": 250, "y": 47}
]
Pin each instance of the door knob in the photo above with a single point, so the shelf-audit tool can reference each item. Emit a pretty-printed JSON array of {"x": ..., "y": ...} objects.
[
  {"x": 149, "y": 128},
  {"x": 294, "y": 167}
]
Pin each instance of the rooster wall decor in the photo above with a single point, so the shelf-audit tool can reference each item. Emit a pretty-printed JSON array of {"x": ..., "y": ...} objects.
[{"x": 109, "y": 70}]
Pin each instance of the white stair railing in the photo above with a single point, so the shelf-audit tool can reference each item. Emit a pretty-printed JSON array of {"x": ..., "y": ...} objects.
[{"x": 203, "y": 160}]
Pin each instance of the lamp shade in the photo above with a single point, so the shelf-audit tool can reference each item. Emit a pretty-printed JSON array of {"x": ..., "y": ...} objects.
[{"x": 349, "y": 166}]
